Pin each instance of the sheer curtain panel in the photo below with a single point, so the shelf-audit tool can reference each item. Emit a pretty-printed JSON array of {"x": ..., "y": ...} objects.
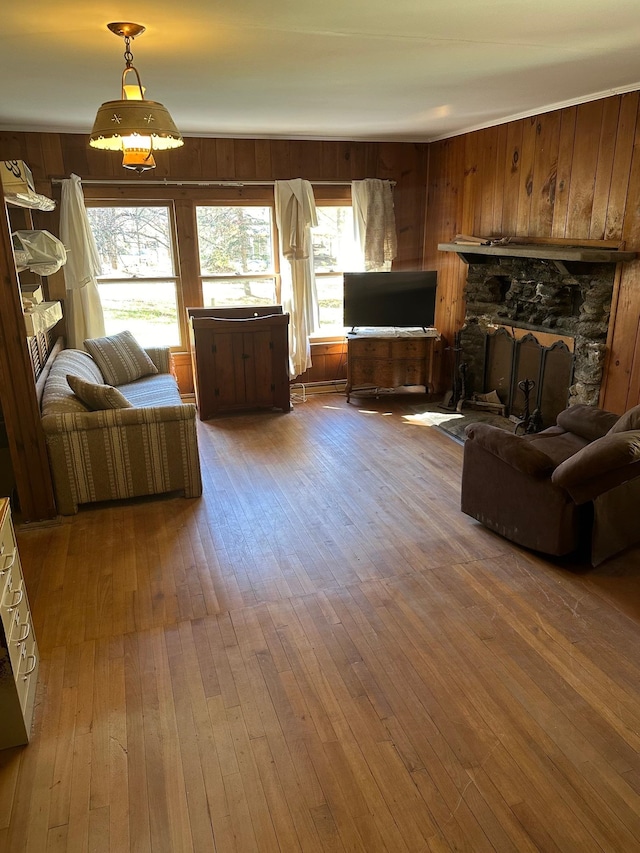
[
  {"x": 374, "y": 223},
  {"x": 295, "y": 216},
  {"x": 83, "y": 309}
]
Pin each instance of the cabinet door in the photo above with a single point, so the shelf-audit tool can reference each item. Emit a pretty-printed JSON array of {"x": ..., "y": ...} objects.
[
  {"x": 228, "y": 370},
  {"x": 258, "y": 372}
]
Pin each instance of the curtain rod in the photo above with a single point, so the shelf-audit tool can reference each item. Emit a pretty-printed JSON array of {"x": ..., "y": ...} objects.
[{"x": 175, "y": 183}]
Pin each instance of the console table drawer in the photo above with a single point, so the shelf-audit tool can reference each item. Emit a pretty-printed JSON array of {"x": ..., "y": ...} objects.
[
  {"x": 409, "y": 348},
  {"x": 368, "y": 347},
  {"x": 389, "y": 362}
]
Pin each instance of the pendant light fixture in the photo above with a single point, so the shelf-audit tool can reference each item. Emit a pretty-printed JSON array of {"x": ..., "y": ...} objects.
[{"x": 133, "y": 125}]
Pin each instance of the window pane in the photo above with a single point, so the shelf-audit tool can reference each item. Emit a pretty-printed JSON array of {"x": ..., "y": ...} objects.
[
  {"x": 334, "y": 248},
  {"x": 133, "y": 241},
  {"x": 329, "y": 289},
  {"x": 224, "y": 292},
  {"x": 147, "y": 309},
  {"x": 234, "y": 240}
]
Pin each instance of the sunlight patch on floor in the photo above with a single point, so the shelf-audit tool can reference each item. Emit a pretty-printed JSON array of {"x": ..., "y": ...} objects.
[{"x": 431, "y": 418}]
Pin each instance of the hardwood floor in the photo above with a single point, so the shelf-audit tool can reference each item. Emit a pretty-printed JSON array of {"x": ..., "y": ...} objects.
[{"x": 323, "y": 654}]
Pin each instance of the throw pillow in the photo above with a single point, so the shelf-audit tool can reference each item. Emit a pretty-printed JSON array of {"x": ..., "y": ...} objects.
[
  {"x": 120, "y": 358},
  {"x": 97, "y": 397},
  {"x": 630, "y": 420}
]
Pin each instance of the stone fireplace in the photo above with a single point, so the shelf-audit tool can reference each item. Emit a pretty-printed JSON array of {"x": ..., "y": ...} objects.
[{"x": 561, "y": 309}]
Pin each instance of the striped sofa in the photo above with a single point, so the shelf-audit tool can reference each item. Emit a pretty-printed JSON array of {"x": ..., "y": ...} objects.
[{"x": 148, "y": 449}]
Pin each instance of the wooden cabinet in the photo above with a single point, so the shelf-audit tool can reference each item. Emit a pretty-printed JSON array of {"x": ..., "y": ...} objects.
[
  {"x": 239, "y": 361},
  {"x": 18, "y": 647},
  {"x": 389, "y": 362}
]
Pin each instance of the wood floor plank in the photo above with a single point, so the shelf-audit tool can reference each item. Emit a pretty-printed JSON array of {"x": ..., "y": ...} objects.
[{"x": 322, "y": 653}]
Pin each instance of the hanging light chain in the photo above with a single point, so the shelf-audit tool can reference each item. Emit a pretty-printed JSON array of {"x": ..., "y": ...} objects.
[{"x": 128, "y": 56}]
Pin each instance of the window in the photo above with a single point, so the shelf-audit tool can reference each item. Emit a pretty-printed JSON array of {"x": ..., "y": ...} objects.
[
  {"x": 236, "y": 249},
  {"x": 138, "y": 283},
  {"x": 334, "y": 252}
]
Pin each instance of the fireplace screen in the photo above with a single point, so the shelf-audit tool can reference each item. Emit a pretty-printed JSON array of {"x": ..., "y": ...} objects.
[{"x": 510, "y": 362}]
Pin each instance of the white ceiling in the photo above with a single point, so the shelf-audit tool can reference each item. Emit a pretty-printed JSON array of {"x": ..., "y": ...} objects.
[{"x": 406, "y": 70}]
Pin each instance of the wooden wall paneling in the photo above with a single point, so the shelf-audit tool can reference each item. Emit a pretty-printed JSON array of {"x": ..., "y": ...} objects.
[
  {"x": 225, "y": 159},
  {"x": 619, "y": 393},
  {"x": 52, "y": 155},
  {"x": 245, "y": 158},
  {"x": 444, "y": 219},
  {"x": 633, "y": 392},
  {"x": 583, "y": 170},
  {"x": 499, "y": 182},
  {"x": 208, "y": 159},
  {"x": 185, "y": 161},
  {"x": 344, "y": 171},
  {"x": 470, "y": 183},
  {"x": 484, "y": 217},
  {"x": 568, "y": 119},
  {"x": 329, "y": 159},
  {"x": 280, "y": 160},
  {"x": 17, "y": 393},
  {"x": 545, "y": 172},
  {"x": 623, "y": 342},
  {"x": 625, "y": 134},
  {"x": 409, "y": 205},
  {"x": 606, "y": 153},
  {"x": 527, "y": 166},
  {"x": 183, "y": 372},
  {"x": 511, "y": 183},
  {"x": 263, "y": 159},
  {"x": 304, "y": 160}
]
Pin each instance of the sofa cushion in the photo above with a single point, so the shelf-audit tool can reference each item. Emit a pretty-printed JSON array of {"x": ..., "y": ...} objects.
[
  {"x": 120, "y": 358},
  {"x": 97, "y": 397},
  {"x": 589, "y": 422},
  {"x": 57, "y": 396},
  {"x": 160, "y": 390},
  {"x": 630, "y": 420}
]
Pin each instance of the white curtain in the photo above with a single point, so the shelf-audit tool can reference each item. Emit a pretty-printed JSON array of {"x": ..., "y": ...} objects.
[
  {"x": 83, "y": 309},
  {"x": 295, "y": 216},
  {"x": 374, "y": 223}
]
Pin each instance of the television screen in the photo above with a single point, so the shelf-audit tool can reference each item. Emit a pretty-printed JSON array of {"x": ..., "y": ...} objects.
[{"x": 404, "y": 299}]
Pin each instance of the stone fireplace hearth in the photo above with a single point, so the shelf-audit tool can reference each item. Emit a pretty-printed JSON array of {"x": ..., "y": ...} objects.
[{"x": 523, "y": 295}]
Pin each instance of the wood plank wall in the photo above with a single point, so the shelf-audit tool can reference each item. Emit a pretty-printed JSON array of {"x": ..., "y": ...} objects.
[{"x": 572, "y": 173}]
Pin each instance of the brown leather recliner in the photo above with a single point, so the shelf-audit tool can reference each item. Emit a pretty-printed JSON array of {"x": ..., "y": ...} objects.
[{"x": 553, "y": 490}]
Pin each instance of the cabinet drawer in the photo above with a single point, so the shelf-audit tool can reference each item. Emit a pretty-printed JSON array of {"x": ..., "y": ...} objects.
[
  {"x": 20, "y": 630},
  {"x": 27, "y": 669},
  {"x": 9, "y": 562},
  {"x": 409, "y": 348},
  {"x": 369, "y": 346},
  {"x": 12, "y": 594}
]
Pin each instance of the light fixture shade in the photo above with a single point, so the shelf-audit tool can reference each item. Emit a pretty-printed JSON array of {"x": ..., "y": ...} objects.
[{"x": 119, "y": 119}]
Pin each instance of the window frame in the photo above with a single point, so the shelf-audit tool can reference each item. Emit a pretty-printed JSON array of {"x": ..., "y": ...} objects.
[
  {"x": 175, "y": 278},
  {"x": 182, "y": 200},
  {"x": 275, "y": 247}
]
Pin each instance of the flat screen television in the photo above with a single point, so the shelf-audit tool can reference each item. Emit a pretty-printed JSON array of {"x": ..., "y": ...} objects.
[{"x": 402, "y": 299}]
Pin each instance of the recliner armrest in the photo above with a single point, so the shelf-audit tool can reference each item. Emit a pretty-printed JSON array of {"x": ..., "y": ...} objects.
[
  {"x": 600, "y": 466},
  {"x": 512, "y": 449}
]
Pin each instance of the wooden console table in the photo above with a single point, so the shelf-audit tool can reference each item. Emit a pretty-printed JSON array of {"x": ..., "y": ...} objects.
[
  {"x": 389, "y": 361},
  {"x": 240, "y": 359}
]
